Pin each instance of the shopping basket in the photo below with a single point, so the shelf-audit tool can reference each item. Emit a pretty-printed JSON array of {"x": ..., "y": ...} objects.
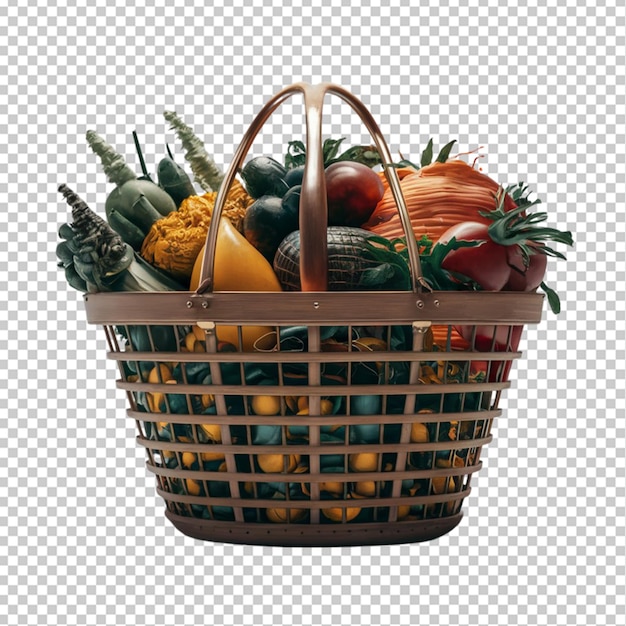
[{"x": 381, "y": 406}]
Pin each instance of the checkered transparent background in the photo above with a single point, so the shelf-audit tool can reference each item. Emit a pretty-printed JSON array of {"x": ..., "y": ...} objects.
[{"x": 84, "y": 539}]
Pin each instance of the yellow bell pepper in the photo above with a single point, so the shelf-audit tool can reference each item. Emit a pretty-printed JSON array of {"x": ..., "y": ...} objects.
[{"x": 239, "y": 266}]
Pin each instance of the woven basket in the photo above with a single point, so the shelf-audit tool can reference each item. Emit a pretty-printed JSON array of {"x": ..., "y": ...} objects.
[{"x": 382, "y": 408}]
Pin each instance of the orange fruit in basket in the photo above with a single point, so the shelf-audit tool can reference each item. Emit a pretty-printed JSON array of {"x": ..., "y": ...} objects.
[
  {"x": 363, "y": 462},
  {"x": 275, "y": 463},
  {"x": 194, "y": 488},
  {"x": 213, "y": 432},
  {"x": 336, "y": 513},
  {"x": 266, "y": 405},
  {"x": 332, "y": 487},
  {"x": 281, "y": 516},
  {"x": 419, "y": 433},
  {"x": 366, "y": 488}
]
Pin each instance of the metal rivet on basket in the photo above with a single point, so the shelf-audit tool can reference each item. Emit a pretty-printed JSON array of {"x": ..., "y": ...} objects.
[
  {"x": 189, "y": 304},
  {"x": 419, "y": 304},
  {"x": 316, "y": 305},
  {"x": 205, "y": 304},
  {"x": 436, "y": 302}
]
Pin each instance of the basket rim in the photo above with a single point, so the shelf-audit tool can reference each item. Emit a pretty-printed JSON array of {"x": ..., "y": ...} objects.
[{"x": 314, "y": 308}]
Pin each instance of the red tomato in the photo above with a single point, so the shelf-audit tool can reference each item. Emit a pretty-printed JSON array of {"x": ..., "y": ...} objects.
[
  {"x": 353, "y": 191},
  {"x": 483, "y": 340},
  {"x": 485, "y": 263},
  {"x": 525, "y": 278},
  {"x": 493, "y": 266}
]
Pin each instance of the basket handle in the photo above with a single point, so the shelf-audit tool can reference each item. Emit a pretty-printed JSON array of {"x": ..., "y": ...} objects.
[{"x": 313, "y": 201}]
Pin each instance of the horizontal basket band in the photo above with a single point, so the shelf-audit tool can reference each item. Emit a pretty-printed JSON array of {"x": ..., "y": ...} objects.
[
  {"x": 313, "y": 450},
  {"x": 313, "y": 390},
  {"x": 310, "y": 357},
  {"x": 363, "y": 503},
  {"x": 315, "y": 308},
  {"x": 348, "y": 477},
  {"x": 314, "y": 420}
]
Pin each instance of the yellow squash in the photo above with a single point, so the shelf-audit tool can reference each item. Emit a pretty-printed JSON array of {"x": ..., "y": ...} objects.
[{"x": 239, "y": 266}]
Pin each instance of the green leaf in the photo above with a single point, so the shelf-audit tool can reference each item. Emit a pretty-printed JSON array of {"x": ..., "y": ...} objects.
[
  {"x": 376, "y": 276},
  {"x": 367, "y": 155},
  {"x": 444, "y": 153},
  {"x": 405, "y": 163},
  {"x": 387, "y": 276},
  {"x": 553, "y": 298},
  {"x": 296, "y": 154},
  {"x": 427, "y": 155},
  {"x": 331, "y": 148},
  {"x": 441, "y": 278}
]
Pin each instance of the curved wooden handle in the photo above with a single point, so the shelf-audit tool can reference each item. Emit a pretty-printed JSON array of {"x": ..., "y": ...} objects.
[{"x": 313, "y": 201}]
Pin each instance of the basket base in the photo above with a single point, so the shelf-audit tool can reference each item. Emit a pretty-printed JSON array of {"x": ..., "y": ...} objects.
[{"x": 300, "y": 535}]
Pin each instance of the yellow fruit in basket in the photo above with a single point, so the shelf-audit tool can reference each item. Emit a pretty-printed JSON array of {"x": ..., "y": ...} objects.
[
  {"x": 239, "y": 266},
  {"x": 190, "y": 341},
  {"x": 213, "y": 432},
  {"x": 335, "y": 488},
  {"x": 188, "y": 459},
  {"x": 365, "y": 488},
  {"x": 194, "y": 488},
  {"x": 336, "y": 513},
  {"x": 440, "y": 482},
  {"x": 160, "y": 375},
  {"x": 403, "y": 511},
  {"x": 211, "y": 456},
  {"x": 326, "y": 406},
  {"x": 266, "y": 405},
  {"x": 363, "y": 462},
  {"x": 419, "y": 433},
  {"x": 275, "y": 463},
  {"x": 281, "y": 516}
]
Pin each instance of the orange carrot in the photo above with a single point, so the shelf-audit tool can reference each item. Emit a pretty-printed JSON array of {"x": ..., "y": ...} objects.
[
  {"x": 437, "y": 196},
  {"x": 441, "y": 334}
]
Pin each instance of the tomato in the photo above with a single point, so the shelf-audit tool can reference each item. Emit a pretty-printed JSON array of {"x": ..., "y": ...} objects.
[
  {"x": 492, "y": 265},
  {"x": 353, "y": 191},
  {"x": 525, "y": 278},
  {"x": 484, "y": 342},
  {"x": 484, "y": 337},
  {"x": 486, "y": 263}
]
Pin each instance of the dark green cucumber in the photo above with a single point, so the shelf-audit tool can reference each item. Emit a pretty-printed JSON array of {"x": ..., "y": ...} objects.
[
  {"x": 129, "y": 232},
  {"x": 174, "y": 180}
]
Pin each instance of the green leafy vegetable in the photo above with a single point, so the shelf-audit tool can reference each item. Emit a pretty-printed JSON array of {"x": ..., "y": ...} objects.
[{"x": 296, "y": 154}]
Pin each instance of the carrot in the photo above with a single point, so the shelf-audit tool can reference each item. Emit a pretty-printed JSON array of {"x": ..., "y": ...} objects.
[
  {"x": 441, "y": 335},
  {"x": 437, "y": 196}
]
